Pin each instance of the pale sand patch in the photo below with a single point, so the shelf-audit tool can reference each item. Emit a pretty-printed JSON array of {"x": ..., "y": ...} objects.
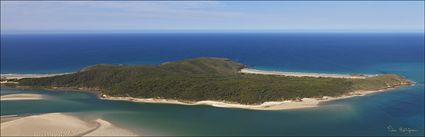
[
  {"x": 52, "y": 124},
  {"x": 22, "y": 96},
  {"x": 108, "y": 129},
  {"x": 21, "y": 76},
  {"x": 270, "y": 105},
  {"x": 302, "y": 74},
  {"x": 7, "y": 118},
  {"x": 58, "y": 124}
]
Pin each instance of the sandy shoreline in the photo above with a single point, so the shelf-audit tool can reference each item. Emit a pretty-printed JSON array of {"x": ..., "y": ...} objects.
[
  {"x": 59, "y": 124},
  {"x": 270, "y": 105},
  {"x": 21, "y": 76},
  {"x": 302, "y": 74},
  {"x": 23, "y": 96}
]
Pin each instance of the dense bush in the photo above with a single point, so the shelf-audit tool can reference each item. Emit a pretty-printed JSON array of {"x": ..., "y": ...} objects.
[{"x": 206, "y": 79}]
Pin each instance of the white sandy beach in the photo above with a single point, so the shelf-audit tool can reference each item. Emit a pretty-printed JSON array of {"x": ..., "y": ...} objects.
[
  {"x": 301, "y": 74},
  {"x": 271, "y": 105},
  {"x": 60, "y": 124},
  {"x": 21, "y": 76},
  {"x": 22, "y": 96}
]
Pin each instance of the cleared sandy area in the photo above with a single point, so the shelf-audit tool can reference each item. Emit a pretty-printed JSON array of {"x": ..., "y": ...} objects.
[
  {"x": 301, "y": 74},
  {"x": 23, "y": 96},
  {"x": 59, "y": 124}
]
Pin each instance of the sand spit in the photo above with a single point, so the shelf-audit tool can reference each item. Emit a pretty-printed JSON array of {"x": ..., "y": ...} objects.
[
  {"x": 302, "y": 74},
  {"x": 59, "y": 124},
  {"x": 53, "y": 124},
  {"x": 22, "y": 96},
  {"x": 108, "y": 129}
]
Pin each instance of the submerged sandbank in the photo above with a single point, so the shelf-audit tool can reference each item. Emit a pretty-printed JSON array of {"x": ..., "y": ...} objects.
[
  {"x": 108, "y": 129},
  {"x": 60, "y": 124},
  {"x": 302, "y": 74},
  {"x": 22, "y": 96},
  {"x": 6, "y": 118}
]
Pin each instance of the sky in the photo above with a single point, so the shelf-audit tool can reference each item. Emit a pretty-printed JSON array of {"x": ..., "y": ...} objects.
[{"x": 87, "y": 16}]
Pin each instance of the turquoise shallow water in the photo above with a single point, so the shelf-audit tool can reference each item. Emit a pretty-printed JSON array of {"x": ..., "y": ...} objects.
[{"x": 330, "y": 53}]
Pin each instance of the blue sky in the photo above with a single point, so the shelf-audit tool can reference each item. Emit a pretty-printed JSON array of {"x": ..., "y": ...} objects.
[{"x": 38, "y": 16}]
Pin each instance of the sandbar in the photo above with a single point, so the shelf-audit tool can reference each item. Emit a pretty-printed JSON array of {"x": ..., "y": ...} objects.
[
  {"x": 60, "y": 124},
  {"x": 22, "y": 96}
]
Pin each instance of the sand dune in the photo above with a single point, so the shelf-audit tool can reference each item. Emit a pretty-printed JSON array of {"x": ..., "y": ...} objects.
[
  {"x": 58, "y": 124},
  {"x": 23, "y": 96}
]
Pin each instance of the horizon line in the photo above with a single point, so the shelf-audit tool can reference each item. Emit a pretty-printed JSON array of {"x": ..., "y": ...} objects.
[
  {"x": 215, "y": 31},
  {"x": 204, "y": 31}
]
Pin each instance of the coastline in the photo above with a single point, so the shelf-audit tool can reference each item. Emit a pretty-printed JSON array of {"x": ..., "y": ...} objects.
[
  {"x": 305, "y": 74},
  {"x": 21, "y": 76},
  {"x": 52, "y": 124},
  {"x": 23, "y": 96},
  {"x": 243, "y": 70},
  {"x": 270, "y": 105}
]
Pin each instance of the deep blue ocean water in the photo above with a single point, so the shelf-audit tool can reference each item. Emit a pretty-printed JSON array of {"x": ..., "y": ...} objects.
[
  {"x": 372, "y": 53},
  {"x": 329, "y": 52}
]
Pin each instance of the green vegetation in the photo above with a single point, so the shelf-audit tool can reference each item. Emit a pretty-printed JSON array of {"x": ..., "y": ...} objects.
[{"x": 206, "y": 79}]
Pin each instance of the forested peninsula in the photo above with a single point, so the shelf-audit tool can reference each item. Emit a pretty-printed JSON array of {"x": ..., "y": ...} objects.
[{"x": 199, "y": 79}]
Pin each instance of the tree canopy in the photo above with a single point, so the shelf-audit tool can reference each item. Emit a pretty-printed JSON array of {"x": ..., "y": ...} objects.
[{"x": 206, "y": 79}]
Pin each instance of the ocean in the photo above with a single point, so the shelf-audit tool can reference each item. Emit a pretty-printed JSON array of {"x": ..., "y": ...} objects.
[{"x": 370, "y": 53}]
